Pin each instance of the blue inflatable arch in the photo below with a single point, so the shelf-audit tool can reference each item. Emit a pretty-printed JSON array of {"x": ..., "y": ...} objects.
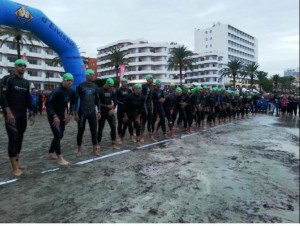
[{"x": 16, "y": 15}]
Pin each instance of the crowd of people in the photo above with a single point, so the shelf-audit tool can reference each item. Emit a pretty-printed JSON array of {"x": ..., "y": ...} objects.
[{"x": 141, "y": 109}]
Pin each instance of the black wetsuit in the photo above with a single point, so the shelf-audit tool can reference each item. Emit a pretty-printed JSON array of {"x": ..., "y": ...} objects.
[
  {"x": 15, "y": 95},
  {"x": 147, "y": 91},
  {"x": 88, "y": 100},
  {"x": 158, "y": 110},
  {"x": 195, "y": 101},
  {"x": 168, "y": 107},
  {"x": 134, "y": 107},
  {"x": 56, "y": 105},
  {"x": 107, "y": 97},
  {"x": 121, "y": 95}
]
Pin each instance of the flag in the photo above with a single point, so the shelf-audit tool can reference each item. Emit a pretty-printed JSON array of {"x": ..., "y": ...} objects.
[
  {"x": 122, "y": 70},
  {"x": 24, "y": 56}
]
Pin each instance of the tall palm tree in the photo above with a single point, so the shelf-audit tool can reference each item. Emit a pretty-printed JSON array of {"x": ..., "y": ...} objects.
[
  {"x": 180, "y": 59},
  {"x": 233, "y": 69},
  {"x": 276, "y": 80},
  {"x": 20, "y": 37},
  {"x": 261, "y": 76},
  {"x": 251, "y": 71},
  {"x": 117, "y": 58}
]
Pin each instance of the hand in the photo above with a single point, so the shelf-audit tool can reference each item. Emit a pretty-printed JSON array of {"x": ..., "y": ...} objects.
[
  {"x": 10, "y": 118},
  {"x": 98, "y": 116},
  {"x": 32, "y": 120},
  {"x": 68, "y": 119},
  {"x": 161, "y": 100},
  {"x": 111, "y": 112},
  {"x": 110, "y": 106},
  {"x": 56, "y": 122},
  {"x": 125, "y": 118},
  {"x": 76, "y": 117},
  {"x": 138, "y": 121}
]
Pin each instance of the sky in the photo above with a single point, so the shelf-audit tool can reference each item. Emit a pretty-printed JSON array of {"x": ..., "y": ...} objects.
[{"x": 95, "y": 23}]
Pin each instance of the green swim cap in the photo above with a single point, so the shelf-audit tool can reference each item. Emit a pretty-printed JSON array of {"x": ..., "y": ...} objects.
[
  {"x": 67, "y": 76},
  {"x": 158, "y": 81},
  {"x": 137, "y": 86},
  {"x": 19, "y": 61},
  {"x": 185, "y": 86},
  {"x": 178, "y": 90},
  {"x": 148, "y": 77},
  {"x": 172, "y": 85},
  {"x": 124, "y": 80},
  {"x": 110, "y": 82},
  {"x": 89, "y": 72}
]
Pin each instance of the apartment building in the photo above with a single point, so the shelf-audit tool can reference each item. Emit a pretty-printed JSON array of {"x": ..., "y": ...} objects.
[
  {"x": 40, "y": 72},
  {"x": 143, "y": 58},
  {"x": 206, "y": 69},
  {"x": 226, "y": 39}
]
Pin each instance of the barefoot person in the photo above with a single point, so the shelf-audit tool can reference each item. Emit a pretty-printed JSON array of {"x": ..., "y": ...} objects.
[
  {"x": 56, "y": 105},
  {"x": 88, "y": 99},
  {"x": 15, "y": 102}
]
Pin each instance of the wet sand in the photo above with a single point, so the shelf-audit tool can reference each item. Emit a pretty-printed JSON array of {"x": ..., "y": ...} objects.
[{"x": 244, "y": 171}]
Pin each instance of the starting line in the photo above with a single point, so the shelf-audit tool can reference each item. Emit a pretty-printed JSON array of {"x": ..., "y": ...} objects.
[{"x": 116, "y": 153}]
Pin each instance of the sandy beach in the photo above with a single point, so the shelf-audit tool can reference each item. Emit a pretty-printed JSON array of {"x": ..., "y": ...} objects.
[{"x": 244, "y": 171}]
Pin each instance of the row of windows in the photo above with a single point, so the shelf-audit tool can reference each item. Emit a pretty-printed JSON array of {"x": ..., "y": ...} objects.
[
  {"x": 230, "y": 58},
  {"x": 231, "y": 43},
  {"x": 31, "y": 61},
  {"x": 240, "y": 39},
  {"x": 240, "y": 32},
  {"x": 31, "y": 49},
  {"x": 240, "y": 53}
]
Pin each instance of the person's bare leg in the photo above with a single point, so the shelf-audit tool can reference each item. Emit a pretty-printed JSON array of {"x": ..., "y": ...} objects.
[
  {"x": 52, "y": 156},
  {"x": 152, "y": 137},
  {"x": 141, "y": 138},
  {"x": 96, "y": 150},
  {"x": 61, "y": 161},
  {"x": 133, "y": 139},
  {"x": 79, "y": 151},
  {"x": 20, "y": 166},
  {"x": 15, "y": 166},
  {"x": 115, "y": 146}
]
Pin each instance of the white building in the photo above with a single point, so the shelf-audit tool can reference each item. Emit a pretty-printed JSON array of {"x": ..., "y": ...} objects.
[
  {"x": 38, "y": 58},
  {"x": 143, "y": 58},
  {"x": 291, "y": 72},
  {"x": 226, "y": 39},
  {"x": 206, "y": 69}
]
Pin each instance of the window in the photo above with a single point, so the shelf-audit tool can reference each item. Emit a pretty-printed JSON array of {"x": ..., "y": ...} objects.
[
  {"x": 35, "y": 73},
  {"x": 33, "y": 61},
  {"x": 210, "y": 38},
  {"x": 12, "y": 46},
  {"x": 34, "y": 50},
  {"x": 12, "y": 59}
]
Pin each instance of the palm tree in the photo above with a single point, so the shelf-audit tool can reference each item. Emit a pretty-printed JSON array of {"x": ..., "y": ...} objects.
[
  {"x": 116, "y": 58},
  {"x": 251, "y": 71},
  {"x": 276, "y": 80},
  {"x": 180, "y": 58},
  {"x": 261, "y": 76},
  {"x": 20, "y": 37},
  {"x": 56, "y": 61},
  {"x": 234, "y": 68}
]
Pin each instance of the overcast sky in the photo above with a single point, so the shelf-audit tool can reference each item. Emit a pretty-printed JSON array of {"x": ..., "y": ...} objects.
[{"x": 95, "y": 23}]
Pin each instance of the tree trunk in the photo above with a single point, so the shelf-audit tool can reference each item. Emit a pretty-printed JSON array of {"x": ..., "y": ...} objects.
[
  {"x": 117, "y": 75},
  {"x": 180, "y": 74},
  {"x": 18, "y": 49},
  {"x": 234, "y": 82}
]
